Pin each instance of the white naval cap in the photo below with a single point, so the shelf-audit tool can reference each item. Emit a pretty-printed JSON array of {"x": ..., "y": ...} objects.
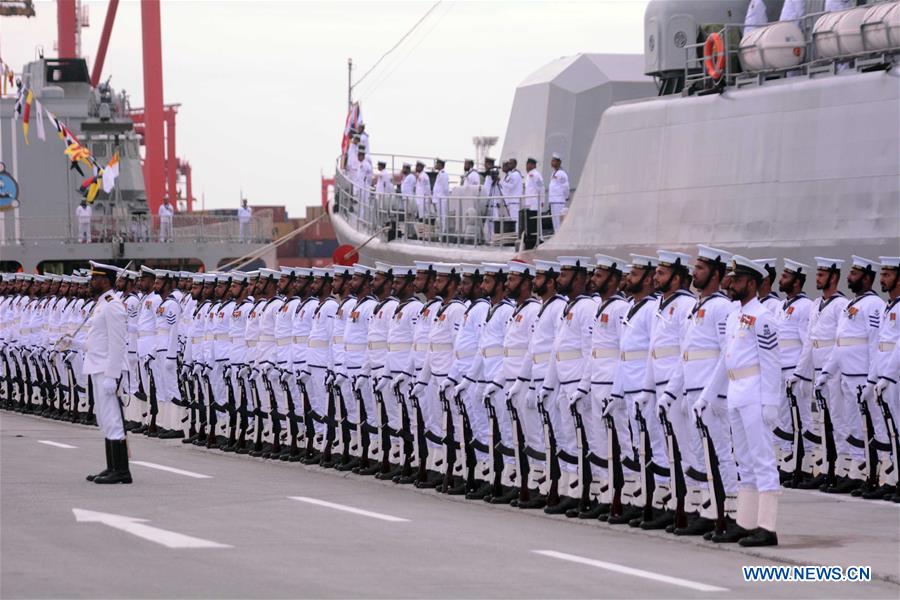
[
  {"x": 237, "y": 277},
  {"x": 270, "y": 274},
  {"x": 470, "y": 269},
  {"x": 254, "y": 274},
  {"x": 185, "y": 275},
  {"x": 405, "y": 165},
  {"x": 610, "y": 263},
  {"x": 198, "y": 278},
  {"x": 223, "y": 277},
  {"x": 38, "y": 278},
  {"x": 675, "y": 260},
  {"x": 404, "y": 271},
  {"x": 81, "y": 280},
  {"x": 365, "y": 270},
  {"x": 147, "y": 271},
  {"x": 341, "y": 271},
  {"x": 522, "y": 268},
  {"x": 98, "y": 268},
  {"x": 626, "y": 269},
  {"x": 865, "y": 264},
  {"x": 442, "y": 268},
  {"x": 302, "y": 272},
  {"x": 556, "y": 155},
  {"x": 322, "y": 272},
  {"x": 286, "y": 271},
  {"x": 889, "y": 262},
  {"x": 741, "y": 265},
  {"x": 641, "y": 261},
  {"x": 491, "y": 268},
  {"x": 383, "y": 268},
  {"x": 710, "y": 254},
  {"x": 424, "y": 265},
  {"x": 573, "y": 262},
  {"x": 769, "y": 264},
  {"x": 209, "y": 278},
  {"x": 832, "y": 264},
  {"x": 796, "y": 267},
  {"x": 548, "y": 267}
]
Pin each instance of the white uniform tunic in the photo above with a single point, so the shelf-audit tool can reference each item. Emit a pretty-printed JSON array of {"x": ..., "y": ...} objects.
[
  {"x": 558, "y": 195},
  {"x": 441, "y": 195},
  {"x": 400, "y": 343},
  {"x": 302, "y": 324},
  {"x": 356, "y": 345},
  {"x": 319, "y": 359},
  {"x": 534, "y": 190},
  {"x": 423, "y": 193},
  {"x": 887, "y": 361},
  {"x": 168, "y": 316},
  {"x": 104, "y": 359}
]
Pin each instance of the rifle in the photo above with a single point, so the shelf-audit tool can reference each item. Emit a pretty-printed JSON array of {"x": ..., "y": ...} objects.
[
  {"x": 231, "y": 403},
  {"x": 713, "y": 476},
  {"x": 244, "y": 423},
  {"x": 891, "y": 426},
  {"x": 469, "y": 445},
  {"x": 384, "y": 433},
  {"x": 797, "y": 437},
  {"x": 494, "y": 441},
  {"x": 307, "y": 420},
  {"x": 362, "y": 429},
  {"x": 421, "y": 443},
  {"x": 406, "y": 427},
  {"x": 344, "y": 423},
  {"x": 869, "y": 443},
  {"x": 675, "y": 470},
  {"x": 553, "y": 470},
  {"x": 293, "y": 426},
  {"x": 154, "y": 407},
  {"x": 830, "y": 448},
  {"x": 330, "y": 422},
  {"x": 258, "y": 413},
  {"x": 584, "y": 465},
  {"x": 200, "y": 403},
  {"x": 646, "y": 455},
  {"x": 450, "y": 444},
  {"x": 617, "y": 476},
  {"x": 213, "y": 413},
  {"x": 274, "y": 415}
]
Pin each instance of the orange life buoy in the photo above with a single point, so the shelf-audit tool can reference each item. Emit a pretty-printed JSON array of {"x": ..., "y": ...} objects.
[{"x": 714, "y": 56}]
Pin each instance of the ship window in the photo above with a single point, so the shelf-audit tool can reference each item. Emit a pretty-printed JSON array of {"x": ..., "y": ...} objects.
[
  {"x": 66, "y": 70},
  {"x": 99, "y": 149}
]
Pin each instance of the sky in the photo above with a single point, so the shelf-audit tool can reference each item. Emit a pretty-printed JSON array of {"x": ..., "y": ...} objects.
[{"x": 263, "y": 84}]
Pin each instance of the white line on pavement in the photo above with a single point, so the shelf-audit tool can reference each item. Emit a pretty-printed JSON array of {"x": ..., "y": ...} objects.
[
  {"x": 349, "y": 509},
  {"x": 694, "y": 585},
  {"x": 56, "y": 444},
  {"x": 151, "y": 465}
]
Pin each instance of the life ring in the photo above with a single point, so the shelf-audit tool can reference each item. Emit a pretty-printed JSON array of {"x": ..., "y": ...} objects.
[{"x": 714, "y": 56}]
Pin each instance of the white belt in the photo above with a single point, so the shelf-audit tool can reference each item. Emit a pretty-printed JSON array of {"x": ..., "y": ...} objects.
[
  {"x": 541, "y": 357},
  {"x": 789, "y": 343},
  {"x": 161, "y": 331},
  {"x": 399, "y": 347},
  {"x": 441, "y": 347},
  {"x": 26, "y": 330},
  {"x": 222, "y": 337},
  {"x": 858, "y": 341},
  {"x": 700, "y": 354},
  {"x": 492, "y": 351},
  {"x": 141, "y": 334},
  {"x": 318, "y": 343},
  {"x": 822, "y": 344},
  {"x": 196, "y": 340},
  {"x": 378, "y": 345},
  {"x": 355, "y": 347},
  {"x": 665, "y": 352},
  {"x": 568, "y": 355},
  {"x": 514, "y": 351},
  {"x": 633, "y": 355},
  {"x": 464, "y": 355},
  {"x": 338, "y": 339},
  {"x": 283, "y": 341},
  {"x": 886, "y": 346},
  {"x": 251, "y": 343},
  {"x": 420, "y": 347},
  {"x": 237, "y": 339},
  {"x": 209, "y": 337},
  {"x": 301, "y": 339},
  {"x": 267, "y": 338},
  {"x": 743, "y": 373},
  {"x": 605, "y": 352}
]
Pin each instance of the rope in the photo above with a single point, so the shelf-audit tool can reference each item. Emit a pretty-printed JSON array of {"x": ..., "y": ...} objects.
[{"x": 248, "y": 258}]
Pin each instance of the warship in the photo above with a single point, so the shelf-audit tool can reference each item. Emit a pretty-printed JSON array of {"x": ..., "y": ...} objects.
[{"x": 783, "y": 141}]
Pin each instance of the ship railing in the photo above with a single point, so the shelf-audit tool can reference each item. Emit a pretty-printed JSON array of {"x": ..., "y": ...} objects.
[
  {"x": 697, "y": 79},
  {"x": 467, "y": 217},
  {"x": 144, "y": 228}
]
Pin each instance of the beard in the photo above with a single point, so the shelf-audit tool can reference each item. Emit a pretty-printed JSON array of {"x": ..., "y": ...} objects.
[
  {"x": 855, "y": 286},
  {"x": 540, "y": 290},
  {"x": 739, "y": 295}
]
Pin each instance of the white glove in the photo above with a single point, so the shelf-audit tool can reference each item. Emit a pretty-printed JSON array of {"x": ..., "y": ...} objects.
[
  {"x": 791, "y": 381},
  {"x": 613, "y": 403},
  {"x": 882, "y": 386},
  {"x": 869, "y": 391},
  {"x": 531, "y": 399},
  {"x": 821, "y": 380},
  {"x": 285, "y": 377},
  {"x": 400, "y": 380},
  {"x": 383, "y": 383},
  {"x": 69, "y": 356},
  {"x": 304, "y": 377},
  {"x": 489, "y": 394},
  {"x": 244, "y": 371},
  {"x": 770, "y": 415},
  {"x": 417, "y": 388},
  {"x": 641, "y": 400},
  {"x": 516, "y": 389},
  {"x": 329, "y": 378},
  {"x": 462, "y": 386},
  {"x": 198, "y": 369},
  {"x": 445, "y": 387},
  {"x": 109, "y": 386},
  {"x": 359, "y": 383},
  {"x": 700, "y": 405},
  {"x": 575, "y": 398},
  {"x": 665, "y": 402},
  {"x": 541, "y": 395}
]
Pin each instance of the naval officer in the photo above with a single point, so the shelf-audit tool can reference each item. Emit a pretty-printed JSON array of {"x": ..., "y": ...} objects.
[{"x": 104, "y": 361}]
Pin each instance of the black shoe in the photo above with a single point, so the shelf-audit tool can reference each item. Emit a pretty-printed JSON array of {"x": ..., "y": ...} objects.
[
  {"x": 172, "y": 434},
  {"x": 537, "y": 501},
  {"x": 564, "y": 504},
  {"x": 698, "y": 526},
  {"x": 813, "y": 483},
  {"x": 760, "y": 537},
  {"x": 389, "y": 476},
  {"x": 108, "y": 463},
  {"x": 410, "y": 479},
  {"x": 733, "y": 533},
  {"x": 459, "y": 489},
  {"x": 119, "y": 472},
  {"x": 844, "y": 487},
  {"x": 628, "y": 514},
  {"x": 660, "y": 520},
  {"x": 348, "y": 465},
  {"x": 479, "y": 493},
  {"x": 506, "y": 496},
  {"x": 432, "y": 480}
]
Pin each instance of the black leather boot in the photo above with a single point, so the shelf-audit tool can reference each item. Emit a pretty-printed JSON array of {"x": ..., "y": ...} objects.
[
  {"x": 108, "y": 462},
  {"x": 119, "y": 472}
]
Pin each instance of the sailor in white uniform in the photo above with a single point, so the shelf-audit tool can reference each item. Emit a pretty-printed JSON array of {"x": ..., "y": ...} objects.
[
  {"x": 441, "y": 193},
  {"x": 423, "y": 192},
  {"x": 751, "y": 365},
  {"x": 104, "y": 362},
  {"x": 886, "y": 374},
  {"x": 557, "y": 191}
]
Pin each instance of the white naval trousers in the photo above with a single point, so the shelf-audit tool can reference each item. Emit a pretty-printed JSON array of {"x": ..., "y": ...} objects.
[
  {"x": 720, "y": 434},
  {"x": 753, "y": 449},
  {"x": 107, "y": 410}
]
